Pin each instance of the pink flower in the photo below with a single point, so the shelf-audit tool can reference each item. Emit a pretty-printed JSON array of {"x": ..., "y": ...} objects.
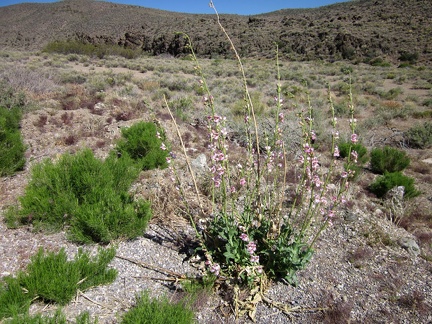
[
  {"x": 354, "y": 138},
  {"x": 336, "y": 152},
  {"x": 251, "y": 247},
  {"x": 317, "y": 181},
  {"x": 315, "y": 163},
  {"x": 281, "y": 117},
  {"x": 352, "y": 122},
  {"x": 214, "y": 134},
  {"x": 336, "y": 135},
  {"x": 220, "y": 171},
  {"x": 354, "y": 155},
  {"x": 215, "y": 269},
  {"x": 313, "y": 135},
  {"x": 254, "y": 258},
  {"x": 217, "y": 181},
  {"x": 218, "y": 156},
  {"x": 301, "y": 159},
  {"x": 217, "y": 119},
  {"x": 163, "y": 147},
  {"x": 242, "y": 181},
  {"x": 280, "y": 101},
  {"x": 244, "y": 237},
  {"x": 308, "y": 149}
]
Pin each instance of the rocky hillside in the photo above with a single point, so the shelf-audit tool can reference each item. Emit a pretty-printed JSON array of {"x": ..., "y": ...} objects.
[{"x": 357, "y": 30}]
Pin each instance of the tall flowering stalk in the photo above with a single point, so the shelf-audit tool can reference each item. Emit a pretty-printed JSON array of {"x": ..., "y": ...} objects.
[{"x": 252, "y": 235}]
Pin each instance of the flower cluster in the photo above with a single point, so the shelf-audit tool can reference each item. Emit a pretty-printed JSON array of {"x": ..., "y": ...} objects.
[
  {"x": 311, "y": 163},
  {"x": 250, "y": 247},
  {"x": 213, "y": 267},
  {"x": 219, "y": 157}
]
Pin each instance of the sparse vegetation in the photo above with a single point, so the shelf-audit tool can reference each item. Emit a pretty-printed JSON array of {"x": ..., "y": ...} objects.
[{"x": 420, "y": 136}]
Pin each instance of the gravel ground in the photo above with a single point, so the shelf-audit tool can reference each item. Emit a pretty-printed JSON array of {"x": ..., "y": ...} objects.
[{"x": 382, "y": 284}]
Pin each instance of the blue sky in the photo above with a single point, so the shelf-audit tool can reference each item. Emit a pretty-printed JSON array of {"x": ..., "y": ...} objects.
[{"x": 240, "y": 7}]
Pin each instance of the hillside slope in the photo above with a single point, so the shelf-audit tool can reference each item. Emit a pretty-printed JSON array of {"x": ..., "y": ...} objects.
[{"x": 358, "y": 30}]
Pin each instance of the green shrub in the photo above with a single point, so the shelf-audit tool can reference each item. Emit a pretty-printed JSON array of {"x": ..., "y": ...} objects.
[
  {"x": 52, "y": 278},
  {"x": 158, "y": 311},
  {"x": 12, "y": 299},
  {"x": 419, "y": 136},
  {"x": 12, "y": 147},
  {"x": 390, "y": 94},
  {"x": 388, "y": 159},
  {"x": 378, "y": 61},
  {"x": 347, "y": 69},
  {"x": 279, "y": 258},
  {"x": 409, "y": 57},
  {"x": 427, "y": 103},
  {"x": 142, "y": 142},
  {"x": 87, "y": 195},
  {"x": 341, "y": 109},
  {"x": 394, "y": 179},
  {"x": 57, "y": 318}
]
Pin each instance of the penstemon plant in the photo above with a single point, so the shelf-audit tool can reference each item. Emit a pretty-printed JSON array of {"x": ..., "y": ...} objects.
[{"x": 253, "y": 237}]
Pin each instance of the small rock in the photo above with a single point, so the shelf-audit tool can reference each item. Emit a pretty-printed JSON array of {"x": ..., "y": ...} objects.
[
  {"x": 410, "y": 245},
  {"x": 429, "y": 160},
  {"x": 378, "y": 212},
  {"x": 199, "y": 164},
  {"x": 350, "y": 216}
]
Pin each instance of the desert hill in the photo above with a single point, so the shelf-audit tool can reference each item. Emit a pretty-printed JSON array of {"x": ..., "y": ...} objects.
[{"x": 357, "y": 30}]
